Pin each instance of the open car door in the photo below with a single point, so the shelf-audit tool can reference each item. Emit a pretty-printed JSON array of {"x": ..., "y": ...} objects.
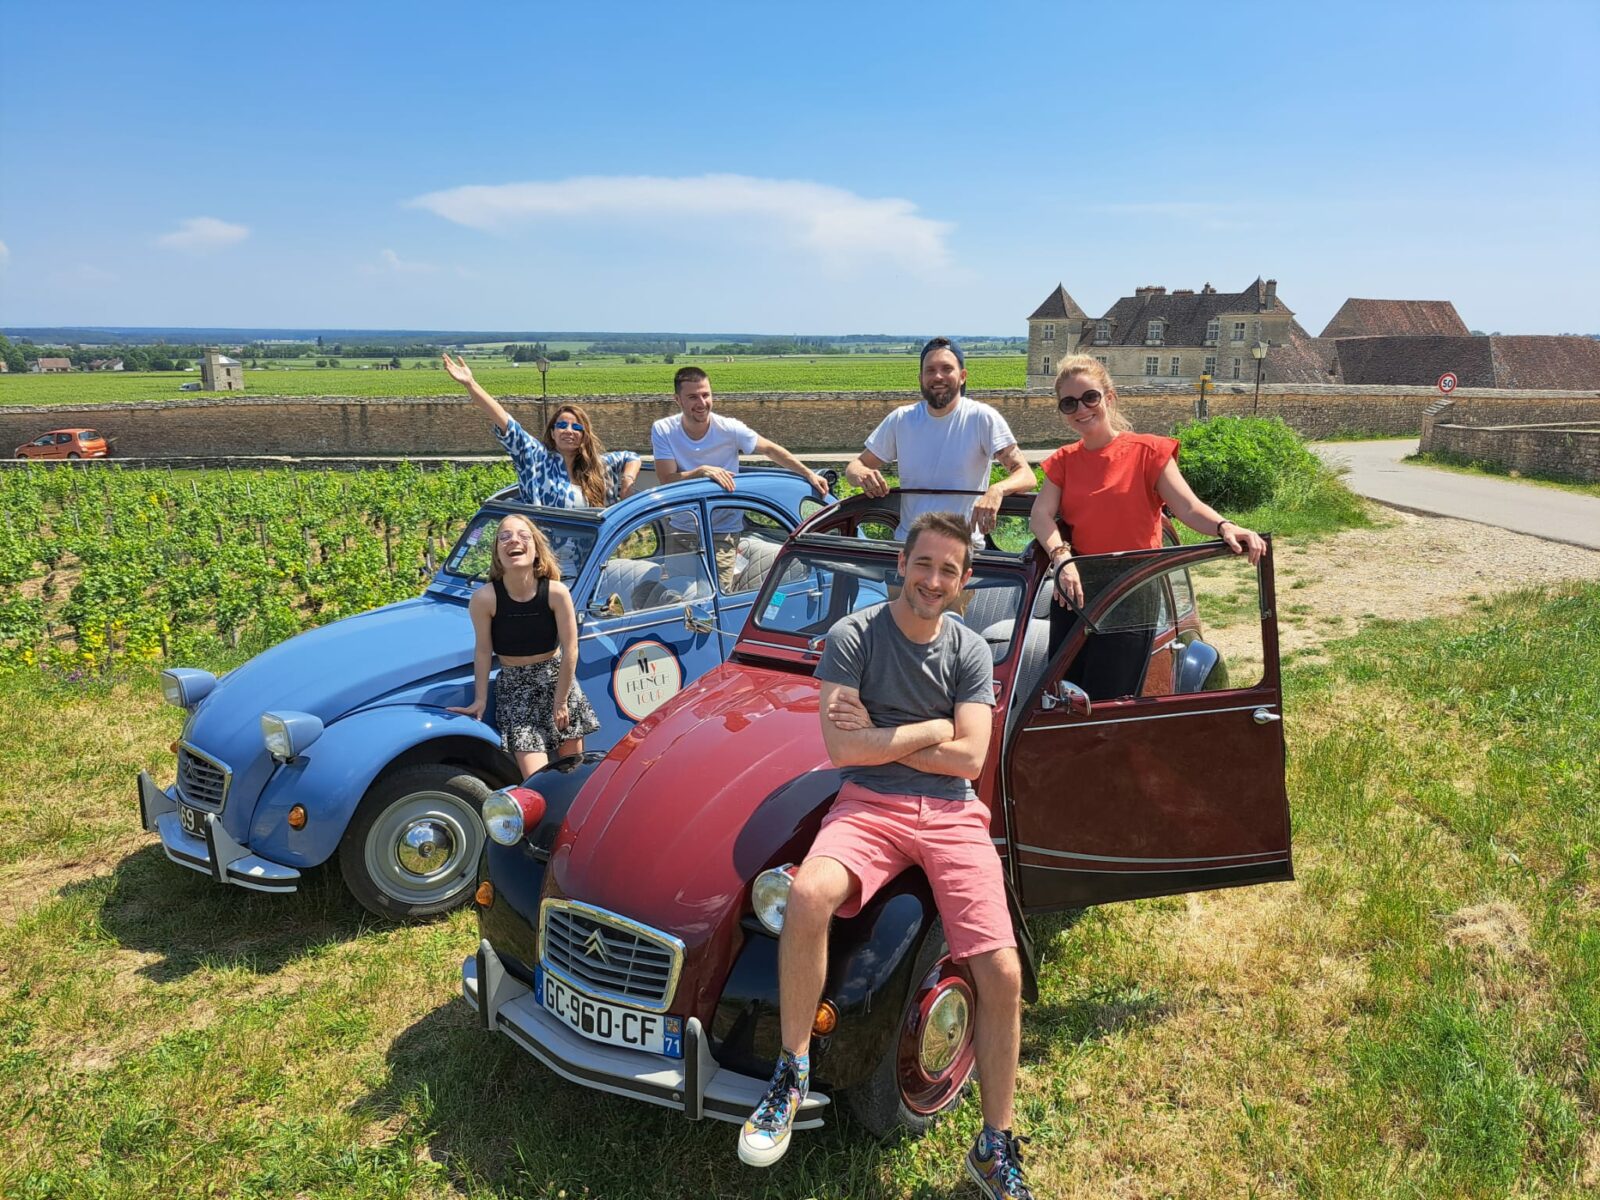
[{"x": 1149, "y": 759}]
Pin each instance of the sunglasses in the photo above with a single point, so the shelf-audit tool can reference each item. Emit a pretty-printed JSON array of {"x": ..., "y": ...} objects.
[
  {"x": 506, "y": 535},
  {"x": 572, "y": 425},
  {"x": 1067, "y": 405}
]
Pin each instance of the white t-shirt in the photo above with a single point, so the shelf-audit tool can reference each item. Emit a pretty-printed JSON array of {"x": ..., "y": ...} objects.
[
  {"x": 727, "y": 438},
  {"x": 951, "y": 452}
]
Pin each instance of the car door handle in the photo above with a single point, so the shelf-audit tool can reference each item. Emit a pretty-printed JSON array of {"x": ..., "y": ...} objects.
[{"x": 1263, "y": 716}]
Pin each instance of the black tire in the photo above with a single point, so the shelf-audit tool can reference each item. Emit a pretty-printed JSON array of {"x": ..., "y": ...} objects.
[
  {"x": 444, "y": 805},
  {"x": 877, "y": 1103},
  {"x": 73, "y": 454}
]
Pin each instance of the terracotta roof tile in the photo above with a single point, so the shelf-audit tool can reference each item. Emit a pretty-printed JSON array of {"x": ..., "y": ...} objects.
[{"x": 1382, "y": 318}]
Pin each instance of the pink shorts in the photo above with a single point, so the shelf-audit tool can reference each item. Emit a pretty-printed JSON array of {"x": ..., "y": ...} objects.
[{"x": 875, "y": 836}]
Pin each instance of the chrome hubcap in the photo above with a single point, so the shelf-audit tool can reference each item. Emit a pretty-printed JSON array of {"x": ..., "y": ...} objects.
[
  {"x": 424, "y": 847},
  {"x": 944, "y": 1032}
]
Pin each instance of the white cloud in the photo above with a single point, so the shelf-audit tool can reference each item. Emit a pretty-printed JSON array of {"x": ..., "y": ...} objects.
[
  {"x": 390, "y": 261},
  {"x": 202, "y": 233},
  {"x": 837, "y": 225}
]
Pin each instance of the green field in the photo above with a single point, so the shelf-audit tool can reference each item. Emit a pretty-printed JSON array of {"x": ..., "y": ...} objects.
[{"x": 600, "y": 377}]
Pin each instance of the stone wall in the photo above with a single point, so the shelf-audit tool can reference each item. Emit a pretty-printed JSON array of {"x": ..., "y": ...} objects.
[
  {"x": 447, "y": 425},
  {"x": 1568, "y": 449}
]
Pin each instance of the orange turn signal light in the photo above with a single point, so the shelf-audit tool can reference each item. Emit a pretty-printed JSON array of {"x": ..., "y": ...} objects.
[
  {"x": 297, "y": 817},
  {"x": 174, "y": 746},
  {"x": 827, "y": 1019},
  {"x": 485, "y": 894}
]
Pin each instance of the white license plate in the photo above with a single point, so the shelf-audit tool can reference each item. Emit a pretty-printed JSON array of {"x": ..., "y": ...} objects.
[{"x": 614, "y": 1024}]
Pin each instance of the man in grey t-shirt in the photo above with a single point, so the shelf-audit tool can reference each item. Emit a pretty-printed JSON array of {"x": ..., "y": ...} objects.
[{"x": 906, "y": 706}]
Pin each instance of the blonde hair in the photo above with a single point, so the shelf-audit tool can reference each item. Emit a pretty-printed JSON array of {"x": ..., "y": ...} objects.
[
  {"x": 545, "y": 565},
  {"x": 1087, "y": 364},
  {"x": 588, "y": 464}
]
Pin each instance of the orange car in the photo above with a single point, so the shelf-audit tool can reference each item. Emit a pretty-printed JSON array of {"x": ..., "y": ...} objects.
[{"x": 66, "y": 443}]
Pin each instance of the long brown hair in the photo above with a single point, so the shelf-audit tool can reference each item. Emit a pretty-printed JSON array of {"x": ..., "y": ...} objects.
[
  {"x": 588, "y": 467},
  {"x": 545, "y": 565},
  {"x": 1087, "y": 364}
]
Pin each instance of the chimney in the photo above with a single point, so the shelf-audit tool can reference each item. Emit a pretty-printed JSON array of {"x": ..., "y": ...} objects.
[
  {"x": 1183, "y": 291},
  {"x": 1208, "y": 290},
  {"x": 1272, "y": 293},
  {"x": 1150, "y": 289}
]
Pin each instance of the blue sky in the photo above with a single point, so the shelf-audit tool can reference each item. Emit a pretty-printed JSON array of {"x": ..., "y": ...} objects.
[{"x": 808, "y": 168}]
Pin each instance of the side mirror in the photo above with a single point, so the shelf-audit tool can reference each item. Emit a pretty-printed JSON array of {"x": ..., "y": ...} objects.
[
  {"x": 832, "y": 477},
  {"x": 1200, "y": 668},
  {"x": 1070, "y": 696},
  {"x": 611, "y": 606}
]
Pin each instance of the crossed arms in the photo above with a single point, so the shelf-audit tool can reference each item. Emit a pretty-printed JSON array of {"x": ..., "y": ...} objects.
[{"x": 938, "y": 746}]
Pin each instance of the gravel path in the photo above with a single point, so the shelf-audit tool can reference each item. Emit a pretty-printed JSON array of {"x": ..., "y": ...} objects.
[{"x": 1413, "y": 566}]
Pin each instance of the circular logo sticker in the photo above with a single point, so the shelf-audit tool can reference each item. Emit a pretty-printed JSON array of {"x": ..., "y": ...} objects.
[{"x": 645, "y": 676}]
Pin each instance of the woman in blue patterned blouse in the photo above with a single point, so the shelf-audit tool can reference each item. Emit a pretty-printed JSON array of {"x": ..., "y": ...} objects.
[{"x": 568, "y": 468}]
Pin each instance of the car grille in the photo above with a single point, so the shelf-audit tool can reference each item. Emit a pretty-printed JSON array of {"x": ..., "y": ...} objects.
[
  {"x": 202, "y": 781},
  {"x": 609, "y": 956}
]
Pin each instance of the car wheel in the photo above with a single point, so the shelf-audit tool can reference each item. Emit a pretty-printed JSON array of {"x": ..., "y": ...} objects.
[
  {"x": 412, "y": 848},
  {"x": 930, "y": 1065},
  {"x": 73, "y": 454}
]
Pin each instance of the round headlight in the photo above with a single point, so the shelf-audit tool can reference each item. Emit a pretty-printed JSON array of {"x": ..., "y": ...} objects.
[
  {"x": 769, "y": 896},
  {"x": 509, "y": 813}
]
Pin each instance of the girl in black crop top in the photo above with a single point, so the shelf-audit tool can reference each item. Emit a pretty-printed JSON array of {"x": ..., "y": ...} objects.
[{"x": 524, "y": 617}]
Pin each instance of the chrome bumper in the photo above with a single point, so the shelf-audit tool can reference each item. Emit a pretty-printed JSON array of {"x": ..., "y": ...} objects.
[
  {"x": 697, "y": 1086},
  {"x": 216, "y": 854}
]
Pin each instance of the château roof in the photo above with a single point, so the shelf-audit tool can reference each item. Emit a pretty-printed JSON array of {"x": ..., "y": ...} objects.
[
  {"x": 1058, "y": 306},
  {"x": 1383, "y": 318}
]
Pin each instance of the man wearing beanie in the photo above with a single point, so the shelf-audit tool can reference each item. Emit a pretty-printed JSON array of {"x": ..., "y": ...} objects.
[{"x": 946, "y": 442}]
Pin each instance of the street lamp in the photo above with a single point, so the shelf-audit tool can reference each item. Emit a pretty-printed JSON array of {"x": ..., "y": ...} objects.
[
  {"x": 544, "y": 365},
  {"x": 1259, "y": 353},
  {"x": 1200, "y": 405}
]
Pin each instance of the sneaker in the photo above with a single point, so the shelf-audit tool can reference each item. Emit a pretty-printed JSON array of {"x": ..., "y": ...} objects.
[
  {"x": 765, "y": 1136},
  {"x": 999, "y": 1170}
]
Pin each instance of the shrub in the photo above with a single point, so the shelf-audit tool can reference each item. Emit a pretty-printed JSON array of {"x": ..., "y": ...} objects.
[{"x": 1238, "y": 463}]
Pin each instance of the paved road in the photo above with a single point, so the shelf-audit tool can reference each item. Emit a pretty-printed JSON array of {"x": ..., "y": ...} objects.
[{"x": 1377, "y": 473}]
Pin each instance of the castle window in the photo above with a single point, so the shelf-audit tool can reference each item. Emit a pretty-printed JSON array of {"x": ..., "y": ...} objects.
[
  {"x": 1213, "y": 331},
  {"x": 1153, "y": 333},
  {"x": 1045, "y": 370},
  {"x": 1102, "y": 360},
  {"x": 1238, "y": 331},
  {"x": 1102, "y": 333},
  {"x": 1236, "y": 363},
  {"x": 1048, "y": 333},
  {"x": 1176, "y": 361},
  {"x": 1152, "y": 364},
  {"x": 1211, "y": 365}
]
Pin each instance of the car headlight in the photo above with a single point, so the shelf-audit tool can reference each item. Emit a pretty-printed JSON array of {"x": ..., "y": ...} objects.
[
  {"x": 509, "y": 813},
  {"x": 186, "y": 686},
  {"x": 289, "y": 734},
  {"x": 769, "y": 896}
]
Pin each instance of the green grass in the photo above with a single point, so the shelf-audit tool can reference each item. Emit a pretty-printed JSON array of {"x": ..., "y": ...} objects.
[
  {"x": 1463, "y": 465},
  {"x": 599, "y": 377}
]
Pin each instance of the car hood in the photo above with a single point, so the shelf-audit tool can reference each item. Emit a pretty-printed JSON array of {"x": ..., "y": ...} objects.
[
  {"x": 329, "y": 671},
  {"x": 729, "y": 778}
]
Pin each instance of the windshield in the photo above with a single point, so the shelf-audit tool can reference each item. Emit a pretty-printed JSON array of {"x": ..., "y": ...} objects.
[
  {"x": 474, "y": 551},
  {"x": 812, "y": 589}
]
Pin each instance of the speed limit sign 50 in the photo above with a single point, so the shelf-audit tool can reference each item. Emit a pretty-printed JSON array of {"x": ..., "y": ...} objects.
[{"x": 1447, "y": 382}]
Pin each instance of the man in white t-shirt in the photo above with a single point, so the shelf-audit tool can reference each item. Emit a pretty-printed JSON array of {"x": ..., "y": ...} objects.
[
  {"x": 701, "y": 444},
  {"x": 947, "y": 443}
]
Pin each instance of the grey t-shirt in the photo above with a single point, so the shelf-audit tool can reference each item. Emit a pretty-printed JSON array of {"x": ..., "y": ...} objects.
[{"x": 902, "y": 682}]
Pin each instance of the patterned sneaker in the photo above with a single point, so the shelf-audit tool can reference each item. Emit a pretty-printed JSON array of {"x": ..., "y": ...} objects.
[
  {"x": 765, "y": 1136},
  {"x": 996, "y": 1166}
]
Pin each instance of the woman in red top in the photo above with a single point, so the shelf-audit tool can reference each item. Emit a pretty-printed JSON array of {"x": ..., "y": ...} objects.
[{"x": 1108, "y": 488}]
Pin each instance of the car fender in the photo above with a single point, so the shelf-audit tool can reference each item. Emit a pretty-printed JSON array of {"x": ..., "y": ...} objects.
[
  {"x": 510, "y": 921},
  {"x": 870, "y": 960},
  {"x": 336, "y": 770}
]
